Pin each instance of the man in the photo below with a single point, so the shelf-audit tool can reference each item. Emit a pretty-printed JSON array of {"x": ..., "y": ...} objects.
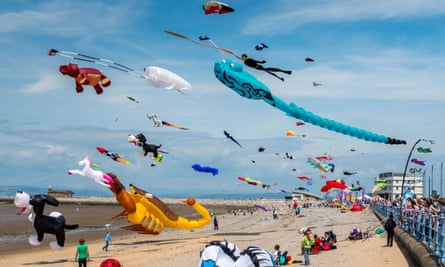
[
  {"x": 389, "y": 227},
  {"x": 107, "y": 241}
]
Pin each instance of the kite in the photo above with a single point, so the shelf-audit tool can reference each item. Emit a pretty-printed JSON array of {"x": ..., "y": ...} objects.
[
  {"x": 380, "y": 185},
  {"x": 141, "y": 140},
  {"x": 304, "y": 178},
  {"x": 324, "y": 157},
  {"x": 256, "y": 64},
  {"x": 301, "y": 189},
  {"x": 308, "y": 59},
  {"x": 54, "y": 223},
  {"x": 149, "y": 214},
  {"x": 266, "y": 186},
  {"x": 424, "y": 150},
  {"x": 133, "y": 99},
  {"x": 349, "y": 173},
  {"x": 216, "y": 7},
  {"x": 315, "y": 84},
  {"x": 159, "y": 123},
  {"x": 260, "y": 207},
  {"x": 114, "y": 156},
  {"x": 86, "y": 76},
  {"x": 200, "y": 168},
  {"x": 249, "y": 180},
  {"x": 414, "y": 170},
  {"x": 282, "y": 191},
  {"x": 299, "y": 123},
  {"x": 333, "y": 184},
  {"x": 316, "y": 163},
  {"x": 418, "y": 162},
  {"x": 98, "y": 176},
  {"x": 261, "y": 149},
  {"x": 290, "y": 133},
  {"x": 246, "y": 85},
  {"x": 201, "y": 44},
  {"x": 228, "y": 135},
  {"x": 260, "y": 46},
  {"x": 156, "y": 76}
]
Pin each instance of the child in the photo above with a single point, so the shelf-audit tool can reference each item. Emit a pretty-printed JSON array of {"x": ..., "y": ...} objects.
[
  {"x": 306, "y": 244},
  {"x": 277, "y": 254}
]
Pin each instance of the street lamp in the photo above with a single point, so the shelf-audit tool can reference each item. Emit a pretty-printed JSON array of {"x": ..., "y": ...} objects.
[
  {"x": 441, "y": 177},
  {"x": 432, "y": 180}
]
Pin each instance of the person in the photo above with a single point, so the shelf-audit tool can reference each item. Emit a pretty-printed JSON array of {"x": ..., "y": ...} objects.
[
  {"x": 256, "y": 64},
  {"x": 215, "y": 223},
  {"x": 389, "y": 227},
  {"x": 306, "y": 244},
  {"x": 277, "y": 254},
  {"x": 107, "y": 241},
  {"x": 82, "y": 253}
]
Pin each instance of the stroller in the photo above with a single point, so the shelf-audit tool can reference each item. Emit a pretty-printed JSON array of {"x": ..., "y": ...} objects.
[{"x": 356, "y": 234}]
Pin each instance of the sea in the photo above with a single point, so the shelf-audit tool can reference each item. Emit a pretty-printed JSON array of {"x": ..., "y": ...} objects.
[{"x": 11, "y": 190}]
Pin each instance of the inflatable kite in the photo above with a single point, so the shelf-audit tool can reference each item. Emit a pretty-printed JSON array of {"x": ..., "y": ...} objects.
[
  {"x": 149, "y": 214},
  {"x": 333, "y": 184},
  {"x": 249, "y": 180},
  {"x": 141, "y": 140},
  {"x": 54, "y": 223},
  {"x": 159, "y": 123},
  {"x": 324, "y": 157},
  {"x": 257, "y": 64},
  {"x": 199, "y": 168},
  {"x": 114, "y": 156},
  {"x": 316, "y": 163},
  {"x": 414, "y": 170},
  {"x": 229, "y": 136},
  {"x": 232, "y": 75},
  {"x": 227, "y": 254},
  {"x": 98, "y": 176},
  {"x": 86, "y": 76},
  {"x": 216, "y": 7},
  {"x": 418, "y": 162},
  {"x": 156, "y": 76},
  {"x": 380, "y": 185}
]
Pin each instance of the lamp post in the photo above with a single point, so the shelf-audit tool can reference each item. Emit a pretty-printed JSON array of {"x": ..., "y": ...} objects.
[
  {"x": 432, "y": 180},
  {"x": 441, "y": 177}
]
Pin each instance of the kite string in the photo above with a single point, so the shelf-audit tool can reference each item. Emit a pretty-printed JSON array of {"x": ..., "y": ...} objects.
[{"x": 100, "y": 61}]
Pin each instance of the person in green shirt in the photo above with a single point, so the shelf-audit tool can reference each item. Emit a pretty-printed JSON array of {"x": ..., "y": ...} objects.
[
  {"x": 306, "y": 244},
  {"x": 82, "y": 254}
]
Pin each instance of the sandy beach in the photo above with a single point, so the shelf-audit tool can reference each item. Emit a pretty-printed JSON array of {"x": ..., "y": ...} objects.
[{"x": 176, "y": 247}]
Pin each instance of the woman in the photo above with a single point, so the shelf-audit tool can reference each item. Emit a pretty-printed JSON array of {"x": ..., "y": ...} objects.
[{"x": 82, "y": 254}]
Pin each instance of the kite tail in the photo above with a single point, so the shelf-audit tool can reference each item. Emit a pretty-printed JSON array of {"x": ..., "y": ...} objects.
[{"x": 302, "y": 114}]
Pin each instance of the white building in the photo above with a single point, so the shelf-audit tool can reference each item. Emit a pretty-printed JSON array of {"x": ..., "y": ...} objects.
[{"x": 393, "y": 187}]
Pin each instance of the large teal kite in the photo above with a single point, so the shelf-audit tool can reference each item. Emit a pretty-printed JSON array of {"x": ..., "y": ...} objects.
[{"x": 246, "y": 85}]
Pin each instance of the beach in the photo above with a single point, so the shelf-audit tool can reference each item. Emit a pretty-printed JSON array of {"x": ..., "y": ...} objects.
[{"x": 176, "y": 247}]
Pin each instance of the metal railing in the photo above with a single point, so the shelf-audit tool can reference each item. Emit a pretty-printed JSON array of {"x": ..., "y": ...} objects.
[{"x": 426, "y": 227}]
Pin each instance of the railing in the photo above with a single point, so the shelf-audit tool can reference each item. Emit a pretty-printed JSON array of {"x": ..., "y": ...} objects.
[{"x": 418, "y": 224}]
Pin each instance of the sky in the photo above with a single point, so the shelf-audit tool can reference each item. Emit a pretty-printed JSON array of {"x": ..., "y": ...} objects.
[{"x": 380, "y": 64}]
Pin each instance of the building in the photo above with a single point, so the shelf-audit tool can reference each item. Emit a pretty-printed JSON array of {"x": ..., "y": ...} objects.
[
  {"x": 394, "y": 181},
  {"x": 60, "y": 193},
  {"x": 303, "y": 195}
]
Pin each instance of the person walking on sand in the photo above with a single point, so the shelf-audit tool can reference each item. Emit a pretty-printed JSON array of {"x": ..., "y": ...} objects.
[
  {"x": 107, "y": 241},
  {"x": 306, "y": 244},
  {"x": 82, "y": 253},
  {"x": 215, "y": 223},
  {"x": 389, "y": 227}
]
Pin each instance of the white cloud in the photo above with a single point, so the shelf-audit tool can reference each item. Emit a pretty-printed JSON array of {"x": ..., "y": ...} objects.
[{"x": 293, "y": 14}]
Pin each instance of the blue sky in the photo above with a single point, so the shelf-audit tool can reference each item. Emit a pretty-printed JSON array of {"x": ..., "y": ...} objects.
[{"x": 380, "y": 64}]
